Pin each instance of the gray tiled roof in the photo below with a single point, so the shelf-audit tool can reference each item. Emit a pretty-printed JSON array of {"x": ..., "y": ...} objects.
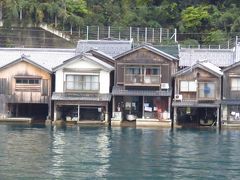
[
  {"x": 120, "y": 91},
  {"x": 194, "y": 104},
  {"x": 110, "y": 47},
  {"x": 81, "y": 97},
  {"x": 231, "y": 101},
  {"x": 87, "y": 56},
  {"x": 47, "y": 58},
  {"x": 203, "y": 65},
  {"x": 219, "y": 57},
  {"x": 150, "y": 48}
]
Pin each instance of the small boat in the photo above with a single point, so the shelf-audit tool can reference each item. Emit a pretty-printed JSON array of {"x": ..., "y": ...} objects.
[
  {"x": 131, "y": 117},
  {"x": 206, "y": 122}
]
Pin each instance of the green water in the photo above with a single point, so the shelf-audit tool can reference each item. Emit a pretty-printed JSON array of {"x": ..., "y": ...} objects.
[{"x": 74, "y": 152}]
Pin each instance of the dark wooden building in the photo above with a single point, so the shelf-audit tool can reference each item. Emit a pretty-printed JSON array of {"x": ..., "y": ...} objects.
[
  {"x": 197, "y": 94},
  {"x": 143, "y": 85},
  {"x": 25, "y": 89},
  {"x": 230, "y": 111}
]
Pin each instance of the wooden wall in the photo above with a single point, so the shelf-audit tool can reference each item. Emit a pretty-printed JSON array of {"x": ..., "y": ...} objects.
[
  {"x": 31, "y": 95},
  {"x": 143, "y": 57},
  {"x": 227, "y": 93}
]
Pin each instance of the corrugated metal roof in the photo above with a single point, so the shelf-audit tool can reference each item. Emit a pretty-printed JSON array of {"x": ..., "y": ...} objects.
[
  {"x": 81, "y": 97},
  {"x": 218, "y": 57},
  {"x": 110, "y": 47},
  {"x": 47, "y": 58},
  {"x": 194, "y": 104},
  {"x": 120, "y": 91}
]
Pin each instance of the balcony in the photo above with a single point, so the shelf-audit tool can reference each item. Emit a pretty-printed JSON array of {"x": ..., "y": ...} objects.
[{"x": 142, "y": 80}]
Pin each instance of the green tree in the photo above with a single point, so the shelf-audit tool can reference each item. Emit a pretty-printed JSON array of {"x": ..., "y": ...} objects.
[{"x": 194, "y": 19}]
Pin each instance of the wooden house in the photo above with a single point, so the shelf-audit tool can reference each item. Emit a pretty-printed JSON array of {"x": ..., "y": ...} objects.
[
  {"x": 143, "y": 85},
  {"x": 82, "y": 88},
  {"x": 197, "y": 94},
  {"x": 25, "y": 89},
  {"x": 230, "y": 112}
]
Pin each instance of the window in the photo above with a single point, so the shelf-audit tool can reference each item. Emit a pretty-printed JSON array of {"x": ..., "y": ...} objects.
[
  {"x": 207, "y": 90},
  {"x": 27, "y": 81},
  {"x": 188, "y": 86},
  {"x": 82, "y": 82},
  {"x": 133, "y": 70},
  {"x": 27, "y": 84},
  {"x": 152, "y": 71},
  {"x": 235, "y": 84}
]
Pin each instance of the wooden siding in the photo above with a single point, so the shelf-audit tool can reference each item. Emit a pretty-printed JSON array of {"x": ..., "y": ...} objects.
[
  {"x": 200, "y": 76},
  {"x": 165, "y": 73},
  {"x": 26, "y": 93},
  {"x": 3, "y": 86},
  {"x": 227, "y": 92},
  {"x": 144, "y": 58},
  {"x": 28, "y": 97}
]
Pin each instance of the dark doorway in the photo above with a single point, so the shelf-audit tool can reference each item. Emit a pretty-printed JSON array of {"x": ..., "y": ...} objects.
[
  {"x": 34, "y": 111},
  {"x": 90, "y": 113}
]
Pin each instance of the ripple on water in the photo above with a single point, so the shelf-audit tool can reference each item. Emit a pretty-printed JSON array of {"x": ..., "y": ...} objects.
[{"x": 109, "y": 153}]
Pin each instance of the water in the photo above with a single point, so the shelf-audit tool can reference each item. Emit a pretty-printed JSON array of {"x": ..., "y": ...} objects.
[{"x": 74, "y": 152}]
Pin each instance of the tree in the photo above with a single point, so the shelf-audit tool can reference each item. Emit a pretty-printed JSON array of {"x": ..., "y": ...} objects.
[{"x": 194, "y": 18}]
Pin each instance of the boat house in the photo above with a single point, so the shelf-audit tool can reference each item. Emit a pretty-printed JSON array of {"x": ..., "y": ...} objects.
[
  {"x": 230, "y": 113},
  {"x": 143, "y": 85},
  {"x": 197, "y": 94},
  {"x": 82, "y": 88}
]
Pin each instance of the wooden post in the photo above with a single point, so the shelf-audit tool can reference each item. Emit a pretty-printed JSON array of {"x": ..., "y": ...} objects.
[
  {"x": 218, "y": 118},
  {"x": 78, "y": 113},
  {"x": 174, "y": 114},
  {"x": 49, "y": 108},
  {"x": 113, "y": 104},
  {"x": 169, "y": 106},
  {"x": 55, "y": 112},
  {"x": 106, "y": 113},
  {"x": 143, "y": 114}
]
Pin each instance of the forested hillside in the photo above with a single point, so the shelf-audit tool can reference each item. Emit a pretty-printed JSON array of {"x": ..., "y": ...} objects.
[{"x": 213, "y": 20}]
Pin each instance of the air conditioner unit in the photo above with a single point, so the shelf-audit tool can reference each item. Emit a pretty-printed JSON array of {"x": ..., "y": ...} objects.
[
  {"x": 164, "y": 86},
  {"x": 178, "y": 97}
]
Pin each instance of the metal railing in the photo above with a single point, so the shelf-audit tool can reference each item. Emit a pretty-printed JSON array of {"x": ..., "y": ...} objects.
[{"x": 142, "y": 79}]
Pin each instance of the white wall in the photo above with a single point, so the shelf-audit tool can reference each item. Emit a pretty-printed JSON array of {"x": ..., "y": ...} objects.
[
  {"x": 104, "y": 82},
  {"x": 104, "y": 76},
  {"x": 59, "y": 81}
]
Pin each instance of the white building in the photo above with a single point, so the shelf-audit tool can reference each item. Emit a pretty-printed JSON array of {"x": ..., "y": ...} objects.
[{"x": 82, "y": 87}]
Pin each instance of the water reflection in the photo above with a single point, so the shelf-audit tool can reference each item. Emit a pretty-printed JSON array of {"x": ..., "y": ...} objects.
[
  {"x": 58, "y": 143},
  {"x": 75, "y": 152}
]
